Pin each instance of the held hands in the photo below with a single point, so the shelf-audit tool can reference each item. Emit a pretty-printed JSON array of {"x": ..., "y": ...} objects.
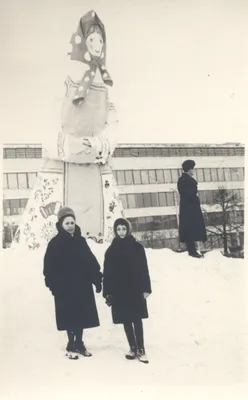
[
  {"x": 146, "y": 295},
  {"x": 109, "y": 300}
]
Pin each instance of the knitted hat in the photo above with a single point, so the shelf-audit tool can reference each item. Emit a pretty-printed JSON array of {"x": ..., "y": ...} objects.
[
  {"x": 65, "y": 212},
  {"x": 187, "y": 165},
  {"x": 123, "y": 222}
]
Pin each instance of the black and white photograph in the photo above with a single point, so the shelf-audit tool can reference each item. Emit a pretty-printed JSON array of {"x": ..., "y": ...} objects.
[{"x": 123, "y": 198}]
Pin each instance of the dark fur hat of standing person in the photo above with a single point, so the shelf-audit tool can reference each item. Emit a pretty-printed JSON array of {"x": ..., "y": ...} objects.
[
  {"x": 122, "y": 222},
  {"x": 65, "y": 212},
  {"x": 187, "y": 165}
]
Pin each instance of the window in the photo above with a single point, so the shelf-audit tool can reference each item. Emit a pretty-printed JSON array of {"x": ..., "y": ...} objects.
[
  {"x": 126, "y": 152},
  {"x": 190, "y": 151},
  {"x": 137, "y": 177},
  {"x": 157, "y": 152},
  {"x": 152, "y": 176},
  {"x": 115, "y": 176},
  {"x": 221, "y": 176},
  {"x": 160, "y": 175},
  {"x": 170, "y": 199},
  {"x": 149, "y": 152},
  {"x": 214, "y": 174},
  {"x": 120, "y": 177},
  {"x": 12, "y": 178},
  {"x": 199, "y": 174},
  {"x": 157, "y": 223},
  {"x": 165, "y": 152},
  {"x": 129, "y": 177},
  {"x": 14, "y": 207},
  {"x": 23, "y": 203},
  {"x": 202, "y": 196},
  {"x": 147, "y": 199},
  {"x": 31, "y": 179},
  {"x": 144, "y": 177},
  {"x": 141, "y": 224},
  {"x": 10, "y": 153},
  {"x": 172, "y": 152},
  {"x": 134, "y": 223},
  {"x": 207, "y": 175},
  {"x": 149, "y": 224},
  {"x": 175, "y": 175},
  {"x": 5, "y": 181},
  {"x": 123, "y": 199},
  {"x": 6, "y": 207},
  {"x": 22, "y": 181},
  {"x": 234, "y": 174},
  {"x": 155, "y": 202},
  {"x": 241, "y": 174},
  {"x": 227, "y": 174},
  {"x": 142, "y": 152},
  {"x": 117, "y": 153},
  {"x": 209, "y": 196},
  {"x": 134, "y": 152},
  {"x": 140, "y": 200},
  {"x": 167, "y": 175},
  {"x": 162, "y": 199},
  {"x": 131, "y": 201}
]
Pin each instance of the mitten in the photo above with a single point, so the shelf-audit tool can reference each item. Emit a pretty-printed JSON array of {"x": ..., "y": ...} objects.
[
  {"x": 145, "y": 294},
  {"x": 98, "y": 287},
  {"x": 109, "y": 300}
]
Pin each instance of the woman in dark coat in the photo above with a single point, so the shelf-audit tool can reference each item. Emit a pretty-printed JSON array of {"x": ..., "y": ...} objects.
[
  {"x": 70, "y": 269},
  {"x": 191, "y": 221},
  {"x": 126, "y": 285}
]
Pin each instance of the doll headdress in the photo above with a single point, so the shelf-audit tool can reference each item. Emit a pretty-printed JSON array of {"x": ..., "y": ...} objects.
[{"x": 89, "y": 23}]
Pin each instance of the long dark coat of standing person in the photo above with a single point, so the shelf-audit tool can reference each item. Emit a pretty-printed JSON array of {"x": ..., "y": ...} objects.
[
  {"x": 191, "y": 221},
  {"x": 126, "y": 278},
  {"x": 70, "y": 269}
]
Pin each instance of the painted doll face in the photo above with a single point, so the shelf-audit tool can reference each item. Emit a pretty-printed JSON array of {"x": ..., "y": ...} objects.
[
  {"x": 94, "y": 43},
  {"x": 69, "y": 225},
  {"x": 121, "y": 231}
]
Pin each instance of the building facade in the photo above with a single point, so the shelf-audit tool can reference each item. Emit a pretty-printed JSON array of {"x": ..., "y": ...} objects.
[{"x": 146, "y": 176}]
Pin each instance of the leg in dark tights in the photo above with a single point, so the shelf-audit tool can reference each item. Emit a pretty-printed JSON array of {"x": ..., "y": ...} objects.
[
  {"x": 139, "y": 333},
  {"x": 79, "y": 335},
  {"x": 128, "y": 327},
  {"x": 70, "y": 336},
  {"x": 191, "y": 248}
]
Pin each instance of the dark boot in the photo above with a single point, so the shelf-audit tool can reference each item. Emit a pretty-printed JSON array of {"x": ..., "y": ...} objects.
[{"x": 81, "y": 349}]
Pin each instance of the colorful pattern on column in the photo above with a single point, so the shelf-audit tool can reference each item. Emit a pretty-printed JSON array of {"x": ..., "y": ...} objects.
[{"x": 40, "y": 216}]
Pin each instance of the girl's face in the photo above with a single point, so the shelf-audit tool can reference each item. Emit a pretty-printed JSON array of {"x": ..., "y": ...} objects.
[
  {"x": 191, "y": 172},
  {"x": 121, "y": 231},
  {"x": 69, "y": 225},
  {"x": 94, "y": 43}
]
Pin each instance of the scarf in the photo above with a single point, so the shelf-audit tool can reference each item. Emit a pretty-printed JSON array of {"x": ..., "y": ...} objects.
[{"x": 80, "y": 53}]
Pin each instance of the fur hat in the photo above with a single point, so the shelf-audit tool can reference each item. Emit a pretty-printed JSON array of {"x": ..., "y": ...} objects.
[
  {"x": 187, "y": 165},
  {"x": 123, "y": 222},
  {"x": 65, "y": 212}
]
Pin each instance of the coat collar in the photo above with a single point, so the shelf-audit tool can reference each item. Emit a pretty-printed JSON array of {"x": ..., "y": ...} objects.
[{"x": 63, "y": 232}]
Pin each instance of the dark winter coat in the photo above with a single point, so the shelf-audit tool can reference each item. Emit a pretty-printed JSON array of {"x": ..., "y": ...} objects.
[
  {"x": 191, "y": 221},
  {"x": 125, "y": 279},
  {"x": 70, "y": 269}
]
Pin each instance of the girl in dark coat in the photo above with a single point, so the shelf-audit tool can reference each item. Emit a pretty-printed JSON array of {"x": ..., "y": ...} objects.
[
  {"x": 70, "y": 269},
  {"x": 191, "y": 221},
  {"x": 126, "y": 285}
]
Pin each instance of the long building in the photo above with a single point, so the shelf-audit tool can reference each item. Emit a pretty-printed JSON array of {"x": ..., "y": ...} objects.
[{"x": 146, "y": 176}]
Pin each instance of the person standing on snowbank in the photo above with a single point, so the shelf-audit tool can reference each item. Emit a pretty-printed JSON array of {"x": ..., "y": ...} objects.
[
  {"x": 70, "y": 269},
  {"x": 191, "y": 221},
  {"x": 126, "y": 285}
]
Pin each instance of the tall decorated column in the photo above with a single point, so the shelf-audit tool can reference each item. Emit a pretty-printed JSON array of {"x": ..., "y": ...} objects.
[{"x": 78, "y": 174}]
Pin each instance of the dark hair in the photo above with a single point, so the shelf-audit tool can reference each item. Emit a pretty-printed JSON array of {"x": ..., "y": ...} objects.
[
  {"x": 187, "y": 165},
  {"x": 123, "y": 222}
]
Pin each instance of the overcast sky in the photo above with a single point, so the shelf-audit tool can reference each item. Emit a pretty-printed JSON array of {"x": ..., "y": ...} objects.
[{"x": 179, "y": 67}]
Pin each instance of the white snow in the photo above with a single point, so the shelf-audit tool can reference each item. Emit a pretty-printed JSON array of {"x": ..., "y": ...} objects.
[{"x": 195, "y": 333}]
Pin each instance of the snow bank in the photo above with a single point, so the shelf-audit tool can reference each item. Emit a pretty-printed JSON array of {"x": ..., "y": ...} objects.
[{"x": 195, "y": 333}]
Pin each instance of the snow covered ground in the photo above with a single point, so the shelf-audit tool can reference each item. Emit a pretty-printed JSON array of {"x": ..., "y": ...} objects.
[{"x": 194, "y": 336}]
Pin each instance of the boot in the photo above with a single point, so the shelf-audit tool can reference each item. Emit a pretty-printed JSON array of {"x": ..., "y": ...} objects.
[
  {"x": 142, "y": 357},
  {"x": 132, "y": 354},
  {"x": 81, "y": 349},
  {"x": 71, "y": 352}
]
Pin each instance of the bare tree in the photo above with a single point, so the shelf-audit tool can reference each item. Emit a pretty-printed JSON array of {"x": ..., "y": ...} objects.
[{"x": 227, "y": 222}]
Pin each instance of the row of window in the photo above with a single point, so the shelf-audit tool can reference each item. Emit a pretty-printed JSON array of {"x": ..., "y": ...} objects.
[
  {"x": 168, "y": 199},
  {"x": 178, "y": 152},
  {"x": 155, "y": 176},
  {"x": 33, "y": 152},
  {"x": 19, "y": 180},
  {"x": 19, "y": 152},
  {"x": 161, "y": 222},
  {"x": 14, "y": 206}
]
